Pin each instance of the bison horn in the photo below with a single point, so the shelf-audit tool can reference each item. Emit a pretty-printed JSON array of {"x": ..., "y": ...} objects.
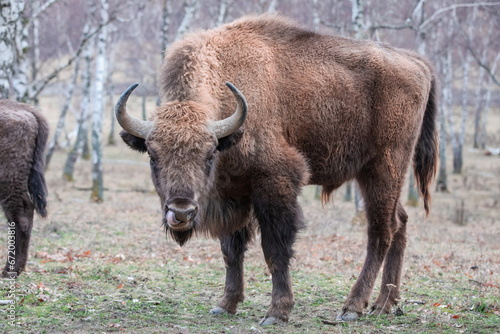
[
  {"x": 131, "y": 124},
  {"x": 229, "y": 125}
]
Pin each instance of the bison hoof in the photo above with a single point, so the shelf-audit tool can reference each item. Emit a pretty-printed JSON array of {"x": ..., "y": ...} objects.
[
  {"x": 347, "y": 316},
  {"x": 375, "y": 310},
  {"x": 217, "y": 310},
  {"x": 267, "y": 321},
  {"x": 7, "y": 274}
]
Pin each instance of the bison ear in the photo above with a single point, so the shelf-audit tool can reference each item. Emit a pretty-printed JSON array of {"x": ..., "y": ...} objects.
[
  {"x": 228, "y": 141},
  {"x": 135, "y": 143}
]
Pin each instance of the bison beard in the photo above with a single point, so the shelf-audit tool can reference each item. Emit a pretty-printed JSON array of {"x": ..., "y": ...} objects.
[{"x": 322, "y": 110}]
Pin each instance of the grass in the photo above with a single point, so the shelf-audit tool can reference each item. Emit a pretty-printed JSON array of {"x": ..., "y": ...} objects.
[{"x": 101, "y": 268}]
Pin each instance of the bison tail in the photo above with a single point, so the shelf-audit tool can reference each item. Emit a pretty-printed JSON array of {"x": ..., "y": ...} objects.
[
  {"x": 36, "y": 181},
  {"x": 425, "y": 158}
]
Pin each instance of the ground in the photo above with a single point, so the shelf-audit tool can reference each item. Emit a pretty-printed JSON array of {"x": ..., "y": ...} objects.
[{"x": 108, "y": 267}]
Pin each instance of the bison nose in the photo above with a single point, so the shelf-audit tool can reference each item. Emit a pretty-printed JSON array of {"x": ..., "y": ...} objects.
[{"x": 178, "y": 215}]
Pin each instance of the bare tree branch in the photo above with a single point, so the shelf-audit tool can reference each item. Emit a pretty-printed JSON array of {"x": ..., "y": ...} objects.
[
  {"x": 42, "y": 8},
  {"x": 482, "y": 64},
  {"x": 373, "y": 28},
  {"x": 36, "y": 87},
  {"x": 438, "y": 12}
]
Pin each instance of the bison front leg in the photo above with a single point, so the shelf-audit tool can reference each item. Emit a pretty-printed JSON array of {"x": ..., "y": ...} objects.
[
  {"x": 280, "y": 218},
  {"x": 233, "y": 249}
]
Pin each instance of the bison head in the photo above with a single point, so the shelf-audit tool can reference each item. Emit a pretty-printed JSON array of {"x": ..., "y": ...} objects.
[{"x": 182, "y": 144}]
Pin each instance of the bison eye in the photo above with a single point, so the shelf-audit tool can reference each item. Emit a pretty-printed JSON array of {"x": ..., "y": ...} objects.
[
  {"x": 209, "y": 162},
  {"x": 152, "y": 160}
]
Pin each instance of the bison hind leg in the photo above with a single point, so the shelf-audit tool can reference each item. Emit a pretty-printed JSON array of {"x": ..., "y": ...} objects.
[
  {"x": 21, "y": 212},
  {"x": 391, "y": 277}
]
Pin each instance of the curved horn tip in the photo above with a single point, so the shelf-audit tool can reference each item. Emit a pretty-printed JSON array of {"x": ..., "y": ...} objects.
[
  {"x": 126, "y": 93},
  {"x": 231, "y": 86}
]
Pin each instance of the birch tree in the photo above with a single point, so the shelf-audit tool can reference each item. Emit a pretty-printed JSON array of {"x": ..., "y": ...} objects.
[
  {"x": 190, "y": 8},
  {"x": 35, "y": 42},
  {"x": 357, "y": 19},
  {"x": 316, "y": 21},
  {"x": 82, "y": 124},
  {"x": 20, "y": 66},
  {"x": 222, "y": 13},
  {"x": 60, "y": 123},
  {"x": 487, "y": 99},
  {"x": 9, "y": 14},
  {"x": 459, "y": 137},
  {"x": 109, "y": 89},
  {"x": 98, "y": 112}
]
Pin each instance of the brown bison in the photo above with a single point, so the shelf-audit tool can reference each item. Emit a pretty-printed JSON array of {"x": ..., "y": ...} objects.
[
  {"x": 23, "y": 136},
  {"x": 321, "y": 110}
]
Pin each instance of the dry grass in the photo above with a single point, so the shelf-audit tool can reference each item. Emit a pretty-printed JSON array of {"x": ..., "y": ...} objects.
[{"x": 108, "y": 267}]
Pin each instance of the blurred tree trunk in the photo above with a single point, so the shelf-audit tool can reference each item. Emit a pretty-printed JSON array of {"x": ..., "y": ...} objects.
[
  {"x": 110, "y": 87},
  {"x": 190, "y": 8},
  {"x": 8, "y": 16},
  {"x": 143, "y": 104},
  {"x": 98, "y": 113},
  {"x": 418, "y": 15},
  {"x": 316, "y": 21},
  {"x": 479, "y": 106},
  {"x": 442, "y": 183},
  {"x": 165, "y": 31},
  {"x": 223, "y": 10},
  {"x": 359, "y": 203},
  {"x": 165, "y": 25},
  {"x": 35, "y": 59},
  {"x": 20, "y": 69},
  {"x": 459, "y": 143},
  {"x": 273, "y": 6},
  {"x": 62, "y": 117},
  {"x": 487, "y": 99},
  {"x": 82, "y": 126},
  {"x": 413, "y": 192},
  {"x": 357, "y": 19},
  {"x": 348, "y": 191}
]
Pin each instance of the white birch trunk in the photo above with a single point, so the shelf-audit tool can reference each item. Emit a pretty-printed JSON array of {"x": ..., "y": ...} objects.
[
  {"x": 479, "y": 106},
  {"x": 82, "y": 126},
  {"x": 315, "y": 16},
  {"x": 222, "y": 15},
  {"x": 8, "y": 16},
  {"x": 165, "y": 25},
  {"x": 190, "y": 7},
  {"x": 98, "y": 112},
  {"x": 357, "y": 19},
  {"x": 110, "y": 89},
  {"x": 459, "y": 143},
  {"x": 35, "y": 60},
  {"x": 418, "y": 15},
  {"x": 60, "y": 123},
  {"x": 20, "y": 68},
  {"x": 273, "y": 6}
]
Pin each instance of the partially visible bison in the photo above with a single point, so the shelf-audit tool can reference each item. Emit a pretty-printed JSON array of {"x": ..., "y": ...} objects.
[
  {"x": 23, "y": 136},
  {"x": 321, "y": 110}
]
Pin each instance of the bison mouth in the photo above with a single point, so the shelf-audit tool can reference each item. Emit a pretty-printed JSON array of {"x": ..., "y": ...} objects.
[{"x": 181, "y": 233}]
